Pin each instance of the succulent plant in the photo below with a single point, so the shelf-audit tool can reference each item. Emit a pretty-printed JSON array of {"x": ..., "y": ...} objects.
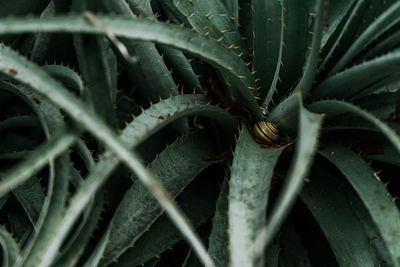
[{"x": 199, "y": 132}]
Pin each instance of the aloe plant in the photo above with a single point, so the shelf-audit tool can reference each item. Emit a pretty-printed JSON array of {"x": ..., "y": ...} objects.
[{"x": 129, "y": 133}]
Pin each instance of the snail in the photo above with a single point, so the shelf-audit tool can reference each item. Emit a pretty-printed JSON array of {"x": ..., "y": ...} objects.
[{"x": 266, "y": 132}]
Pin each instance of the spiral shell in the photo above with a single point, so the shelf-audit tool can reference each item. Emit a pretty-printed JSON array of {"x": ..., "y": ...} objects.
[{"x": 266, "y": 131}]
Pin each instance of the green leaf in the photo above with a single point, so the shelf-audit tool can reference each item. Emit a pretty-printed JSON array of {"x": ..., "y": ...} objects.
[
  {"x": 360, "y": 79},
  {"x": 139, "y": 130},
  {"x": 197, "y": 203},
  {"x": 246, "y": 22},
  {"x": 232, "y": 6},
  {"x": 181, "y": 67},
  {"x": 209, "y": 50},
  {"x": 19, "y": 223},
  {"x": 35, "y": 254},
  {"x": 344, "y": 36},
  {"x": 52, "y": 121},
  {"x": 368, "y": 35},
  {"x": 295, "y": 38},
  {"x": 30, "y": 195},
  {"x": 375, "y": 9},
  {"x": 42, "y": 40},
  {"x": 336, "y": 13},
  {"x": 9, "y": 248},
  {"x": 219, "y": 238},
  {"x": 334, "y": 108},
  {"x": 267, "y": 45},
  {"x": 202, "y": 19},
  {"x": 27, "y": 73},
  {"x": 76, "y": 248},
  {"x": 91, "y": 51},
  {"x": 218, "y": 15},
  {"x": 173, "y": 12},
  {"x": 343, "y": 230},
  {"x": 310, "y": 68},
  {"x": 67, "y": 76},
  {"x": 36, "y": 161},
  {"x": 369, "y": 226},
  {"x": 373, "y": 194},
  {"x": 49, "y": 115},
  {"x": 148, "y": 70},
  {"x": 384, "y": 46},
  {"x": 19, "y": 121},
  {"x": 195, "y": 18},
  {"x": 306, "y": 144},
  {"x": 380, "y": 105},
  {"x": 251, "y": 177},
  {"x": 286, "y": 114},
  {"x": 175, "y": 167}
]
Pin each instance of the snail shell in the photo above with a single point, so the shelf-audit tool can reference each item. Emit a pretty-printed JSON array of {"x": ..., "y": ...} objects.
[{"x": 266, "y": 131}]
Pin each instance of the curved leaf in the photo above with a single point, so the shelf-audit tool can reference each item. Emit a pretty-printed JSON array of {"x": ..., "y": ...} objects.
[
  {"x": 180, "y": 65},
  {"x": 27, "y": 73},
  {"x": 381, "y": 105},
  {"x": 150, "y": 121},
  {"x": 367, "y": 36},
  {"x": 251, "y": 177},
  {"x": 197, "y": 202},
  {"x": 285, "y": 115},
  {"x": 267, "y": 45},
  {"x": 207, "y": 49},
  {"x": 19, "y": 121},
  {"x": 373, "y": 194},
  {"x": 31, "y": 196},
  {"x": 306, "y": 144},
  {"x": 71, "y": 256},
  {"x": 295, "y": 43},
  {"x": 42, "y": 40},
  {"x": 333, "y": 108},
  {"x": 36, "y": 161},
  {"x": 336, "y": 13},
  {"x": 66, "y": 75},
  {"x": 175, "y": 167},
  {"x": 219, "y": 239},
  {"x": 9, "y": 248},
  {"x": 342, "y": 39},
  {"x": 148, "y": 69},
  {"x": 360, "y": 79},
  {"x": 384, "y": 46},
  {"x": 310, "y": 68},
  {"x": 233, "y": 8},
  {"x": 56, "y": 199},
  {"x": 218, "y": 15},
  {"x": 334, "y": 215}
]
